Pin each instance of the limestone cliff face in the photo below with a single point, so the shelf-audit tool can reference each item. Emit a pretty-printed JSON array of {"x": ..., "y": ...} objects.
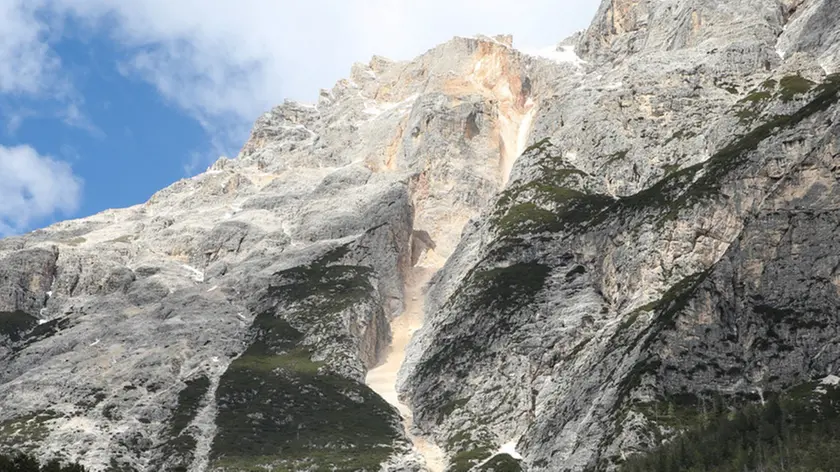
[
  {"x": 192, "y": 331},
  {"x": 453, "y": 119},
  {"x": 639, "y": 251},
  {"x": 650, "y": 219}
]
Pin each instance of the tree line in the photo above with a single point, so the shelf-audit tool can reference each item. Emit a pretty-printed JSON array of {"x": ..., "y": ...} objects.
[
  {"x": 27, "y": 463},
  {"x": 794, "y": 432}
]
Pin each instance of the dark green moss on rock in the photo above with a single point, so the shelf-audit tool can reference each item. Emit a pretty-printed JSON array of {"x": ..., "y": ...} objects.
[
  {"x": 179, "y": 448},
  {"x": 501, "y": 463},
  {"x": 795, "y": 431},
  {"x": 278, "y": 409},
  {"x": 793, "y": 85},
  {"x": 15, "y": 324},
  {"x": 25, "y": 432}
]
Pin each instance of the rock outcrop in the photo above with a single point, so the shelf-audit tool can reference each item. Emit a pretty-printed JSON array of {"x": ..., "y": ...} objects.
[
  {"x": 639, "y": 252},
  {"x": 229, "y": 322},
  {"x": 645, "y": 218}
]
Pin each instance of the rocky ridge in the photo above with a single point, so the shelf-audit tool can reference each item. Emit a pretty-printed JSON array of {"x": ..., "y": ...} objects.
[
  {"x": 646, "y": 222},
  {"x": 197, "y": 322},
  {"x": 591, "y": 292}
]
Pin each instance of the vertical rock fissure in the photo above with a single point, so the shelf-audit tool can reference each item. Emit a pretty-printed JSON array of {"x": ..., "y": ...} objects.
[
  {"x": 383, "y": 378},
  {"x": 515, "y": 120},
  {"x": 514, "y": 134},
  {"x": 205, "y": 420}
]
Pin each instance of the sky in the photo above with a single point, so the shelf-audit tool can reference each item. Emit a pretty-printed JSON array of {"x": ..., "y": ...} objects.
[{"x": 104, "y": 102}]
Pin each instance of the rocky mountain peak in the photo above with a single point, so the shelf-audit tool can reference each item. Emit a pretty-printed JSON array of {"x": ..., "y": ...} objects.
[
  {"x": 624, "y": 27},
  {"x": 479, "y": 259},
  {"x": 475, "y": 96}
]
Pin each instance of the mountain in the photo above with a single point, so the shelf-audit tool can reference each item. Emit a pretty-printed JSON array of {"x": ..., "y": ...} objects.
[{"x": 617, "y": 254}]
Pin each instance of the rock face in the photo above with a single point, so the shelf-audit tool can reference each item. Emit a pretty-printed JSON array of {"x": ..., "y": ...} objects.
[
  {"x": 666, "y": 236},
  {"x": 229, "y": 322},
  {"x": 652, "y": 218}
]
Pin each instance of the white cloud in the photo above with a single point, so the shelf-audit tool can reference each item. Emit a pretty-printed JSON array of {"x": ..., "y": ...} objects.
[
  {"x": 226, "y": 61},
  {"x": 71, "y": 115},
  {"x": 241, "y": 57},
  {"x": 27, "y": 65},
  {"x": 33, "y": 187},
  {"x": 15, "y": 118}
]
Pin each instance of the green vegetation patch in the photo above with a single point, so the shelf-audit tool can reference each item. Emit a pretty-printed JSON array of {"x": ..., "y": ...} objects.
[
  {"x": 501, "y": 463},
  {"x": 279, "y": 410},
  {"x": 26, "y": 463},
  {"x": 679, "y": 135},
  {"x": 464, "y": 461},
  {"x": 469, "y": 452},
  {"x": 15, "y": 324},
  {"x": 562, "y": 209},
  {"x": 666, "y": 311},
  {"x": 769, "y": 84},
  {"x": 759, "y": 96},
  {"x": 796, "y": 431},
  {"x": 178, "y": 450},
  {"x": 26, "y": 431},
  {"x": 450, "y": 407},
  {"x": 315, "y": 461},
  {"x": 508, "y": 287},
  {"x": 490, "y": 299},
  {"x": 794, "y": 85},
  {"x": 736, "y": 154},
  {"x": 322, "y": 288},
  {"x": 547, "y": 204}
]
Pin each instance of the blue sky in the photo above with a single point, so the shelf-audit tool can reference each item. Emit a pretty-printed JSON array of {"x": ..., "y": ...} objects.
[{"x": 102, "y": 103}]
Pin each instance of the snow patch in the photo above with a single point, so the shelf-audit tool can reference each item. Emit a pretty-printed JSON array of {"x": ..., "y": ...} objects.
[
  {"x": 831, "y": 380},
  {"x": 94, "y": 343},
  {"x": 197, "y": 275},
  {"x": 213, "y": 288},
  {"x": 558, "y": 54},
  {"x": 375, "y": 109},
  {"x": 489, "y": 39},
  {"x": 508, "y": 448},
  {"x": 525, "y": 127},
  {"x": 299, "y": 127}
]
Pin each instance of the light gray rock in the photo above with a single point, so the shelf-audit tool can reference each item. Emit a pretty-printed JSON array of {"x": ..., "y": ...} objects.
[
  {"x": 543, "y": 328},
  {"x": 647, "y": 211}
]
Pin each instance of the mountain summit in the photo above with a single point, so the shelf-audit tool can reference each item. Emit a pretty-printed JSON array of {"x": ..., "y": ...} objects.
[{"x": 605, "y": 256}]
